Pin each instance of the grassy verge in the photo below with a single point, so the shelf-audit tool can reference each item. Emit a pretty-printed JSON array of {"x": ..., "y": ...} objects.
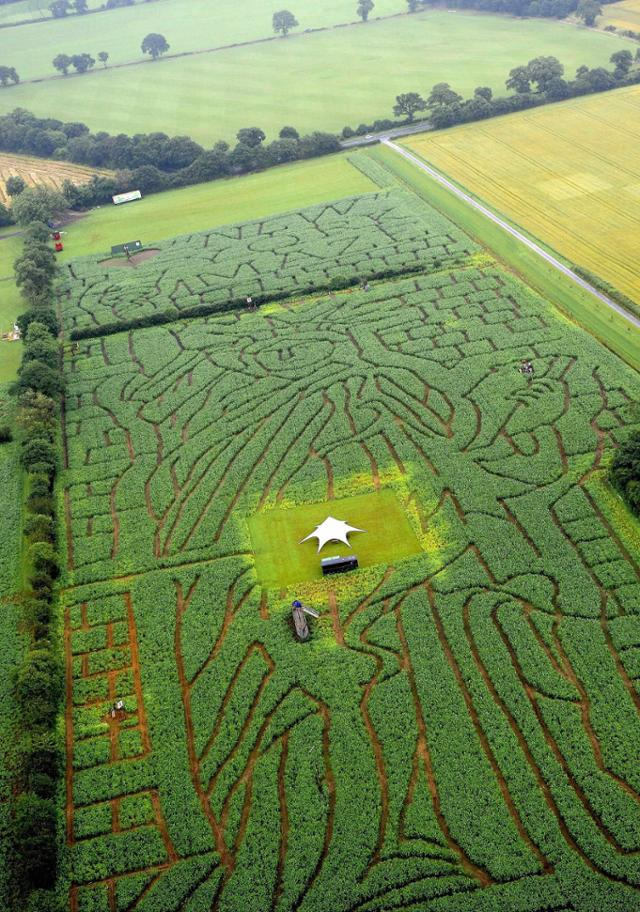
[{"x": 609, "y": 328}]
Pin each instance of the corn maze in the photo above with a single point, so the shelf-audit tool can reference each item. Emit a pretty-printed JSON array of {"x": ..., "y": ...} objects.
[
  {"x": 461, "y": 732},
  {"x": 357, "y": 237}
]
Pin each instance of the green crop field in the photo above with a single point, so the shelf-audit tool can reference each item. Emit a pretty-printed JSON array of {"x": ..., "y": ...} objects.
[
  {"x": 190, "y": 209},
  {"x": 313, "y": 81},
  {"x": 461, "y": 731}
]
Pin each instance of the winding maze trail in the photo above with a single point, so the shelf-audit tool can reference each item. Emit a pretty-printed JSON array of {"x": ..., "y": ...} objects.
[{"x": 462, "y": 730}]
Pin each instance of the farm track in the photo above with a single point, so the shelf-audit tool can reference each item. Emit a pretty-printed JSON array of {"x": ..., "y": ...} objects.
[{"x": 422, "y": 389}]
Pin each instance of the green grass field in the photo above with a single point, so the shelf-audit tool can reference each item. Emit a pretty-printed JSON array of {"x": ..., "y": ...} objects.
[
  {"x": 319, "y": 81},
  {"x": 189, "y": 25}
]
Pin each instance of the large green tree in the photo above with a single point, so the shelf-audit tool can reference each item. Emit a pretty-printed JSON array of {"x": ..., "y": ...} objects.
[
  {"x": 59, "y": 8},
  {"x": 7, "y": 75},
  {"x": 155, "y": 45},
  {"x": 623, "y": 61},
  {"x": 542, "y": 70},
  {"x": 408, "y": 104},
  {"x": 625, "y": 471},
  {"x": 283, "y": 21},
  {"x": 15, "y": 185},
  {"x": 62, "y": 62},
  {"x": 519, "y": 80},
  {"x": 588, "y": 11},
  {"x": 443, "y": 96},
  {"x": 251, "y": 136},
  {"x": 364, "y": 8},
  {"x": 38, "y": 204},
  {"x": 82, "y": 62}
]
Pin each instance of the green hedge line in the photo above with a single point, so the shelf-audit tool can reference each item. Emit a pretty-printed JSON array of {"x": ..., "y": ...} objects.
[
  {"x": 171, "y": 314},
  {"x": 38, "y": 684}
]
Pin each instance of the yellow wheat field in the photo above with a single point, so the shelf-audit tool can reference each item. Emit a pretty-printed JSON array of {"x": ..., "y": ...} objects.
[
  {"x": 41, "y": 171},
  {"x": 625, "y": 15},
  {"x": 567, "y": 173}
]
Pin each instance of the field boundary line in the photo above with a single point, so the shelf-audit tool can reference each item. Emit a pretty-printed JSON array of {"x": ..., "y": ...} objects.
[{"x": 518, "y": 235}]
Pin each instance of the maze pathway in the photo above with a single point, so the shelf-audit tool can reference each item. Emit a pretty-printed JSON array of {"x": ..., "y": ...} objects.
[{"x": 462, "y": 730}]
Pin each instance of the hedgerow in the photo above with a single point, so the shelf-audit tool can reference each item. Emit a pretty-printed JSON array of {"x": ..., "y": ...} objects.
[
  {"x": 459, "y": 732},
  {"x": 37, "y": 682}
]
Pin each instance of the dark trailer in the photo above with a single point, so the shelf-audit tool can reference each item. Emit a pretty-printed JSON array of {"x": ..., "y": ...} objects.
[{"x": 338, "y": 564}]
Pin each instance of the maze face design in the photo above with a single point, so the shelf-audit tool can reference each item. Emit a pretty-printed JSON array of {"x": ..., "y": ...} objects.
[
  {"x": 462, "y": 731},
  {"x": 358, "y": 237}
]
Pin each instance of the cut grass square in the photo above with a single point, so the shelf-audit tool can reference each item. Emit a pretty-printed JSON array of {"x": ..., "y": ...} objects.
[{"x": 282, "y": 561}]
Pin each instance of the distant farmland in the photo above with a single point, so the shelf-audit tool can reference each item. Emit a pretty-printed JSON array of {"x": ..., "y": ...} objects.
[
  {"x": 319, "y": 81},
  {"x": 625, "y": 15},
  {"x": 41, "y": 171},
  {"x": 581, "y": 197}
]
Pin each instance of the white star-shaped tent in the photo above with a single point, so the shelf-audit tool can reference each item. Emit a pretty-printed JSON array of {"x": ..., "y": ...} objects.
[{"x": 331, "y": 529}]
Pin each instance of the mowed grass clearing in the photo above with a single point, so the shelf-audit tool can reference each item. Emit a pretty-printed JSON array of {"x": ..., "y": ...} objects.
[
  {"x": 281, "y": 559},
  {"x": 580, "y": 197},
  {"x": 320, "y": 81}
]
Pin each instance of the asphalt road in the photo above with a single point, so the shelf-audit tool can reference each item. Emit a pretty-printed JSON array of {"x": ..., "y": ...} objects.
[
  {"x": 370, "y": 139},
  {"x": 608, "y": 302}
]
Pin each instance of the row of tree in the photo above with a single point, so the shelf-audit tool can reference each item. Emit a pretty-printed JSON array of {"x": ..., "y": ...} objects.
[
  {"x": 80, "y": 62},
  {"x": 539, "y": 81},
  {"x": 153, "y": 44},
  {"x": 61, "y": 8},
  {"x": 625, "y": 471},
  {"x": 38, "y": 684},
  {"x": 154, "y": 161}
]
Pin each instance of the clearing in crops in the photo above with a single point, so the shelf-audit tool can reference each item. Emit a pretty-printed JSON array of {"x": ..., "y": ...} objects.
[
  {"x": 313, "y": 81},
  {"x": 461, "y": 730},
  {"x": 580, "y": 198}
]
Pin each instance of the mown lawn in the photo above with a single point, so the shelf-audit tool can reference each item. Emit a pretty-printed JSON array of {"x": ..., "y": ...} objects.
[
  {"x": 281, "y": 560},
  {"x": 319, "y": 81}
]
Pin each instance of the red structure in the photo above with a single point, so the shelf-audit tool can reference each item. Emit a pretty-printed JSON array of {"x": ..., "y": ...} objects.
[
  {"x": 58, "y": 246},
  {"x": 56, "y": 235}
]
